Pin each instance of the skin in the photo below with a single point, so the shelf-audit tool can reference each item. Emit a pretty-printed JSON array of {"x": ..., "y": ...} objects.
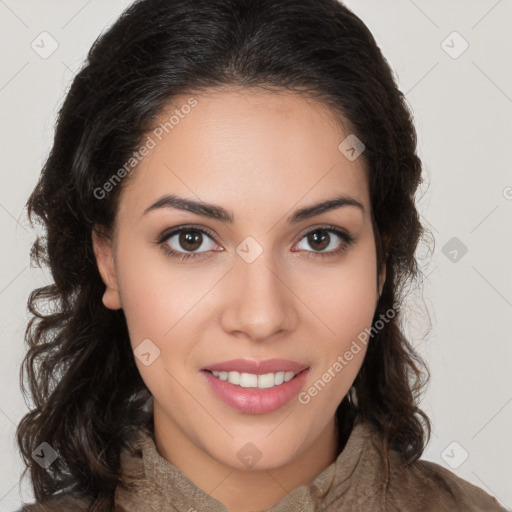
[{"x": 261, "y": 155}]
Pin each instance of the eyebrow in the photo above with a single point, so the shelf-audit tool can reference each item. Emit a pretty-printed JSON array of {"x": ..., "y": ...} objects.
[{"x": 218, "y": 213}]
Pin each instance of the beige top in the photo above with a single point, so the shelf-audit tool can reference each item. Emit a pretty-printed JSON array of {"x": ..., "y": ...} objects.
[{"x": 360, "y": 479}]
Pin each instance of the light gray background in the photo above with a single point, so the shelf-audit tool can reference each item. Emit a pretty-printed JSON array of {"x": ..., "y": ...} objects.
[{"x": 463, "y": 110}]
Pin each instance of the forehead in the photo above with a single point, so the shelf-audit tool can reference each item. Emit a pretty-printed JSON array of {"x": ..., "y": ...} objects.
[{"x": 251, "y": 145}]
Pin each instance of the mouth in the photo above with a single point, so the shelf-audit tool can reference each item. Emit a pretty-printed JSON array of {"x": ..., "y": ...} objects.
[
  {"x": 256, "y": 387},
  {"x": 252, "y": 380}
]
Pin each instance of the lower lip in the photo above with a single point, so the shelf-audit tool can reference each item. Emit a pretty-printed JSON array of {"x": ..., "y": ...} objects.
[{"x": 256, "y": 400}]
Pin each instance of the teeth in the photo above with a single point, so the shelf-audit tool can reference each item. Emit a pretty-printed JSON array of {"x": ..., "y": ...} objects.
[
  {"x": 288, "y": 376},
  {"x": 279, "y": 378},
  {"x": 250, "y": 380},
  {"x": 233, "y": 377}
]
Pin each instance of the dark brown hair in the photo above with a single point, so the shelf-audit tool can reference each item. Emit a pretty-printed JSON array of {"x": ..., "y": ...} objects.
[{"x": 79, "y": 371}]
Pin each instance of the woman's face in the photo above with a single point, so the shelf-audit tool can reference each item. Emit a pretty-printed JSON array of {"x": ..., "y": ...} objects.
[{"x": 269, "y": 283}]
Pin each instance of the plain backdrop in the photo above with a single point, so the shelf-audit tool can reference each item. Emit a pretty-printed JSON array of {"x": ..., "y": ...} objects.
[{"x": 452, "y": 60}]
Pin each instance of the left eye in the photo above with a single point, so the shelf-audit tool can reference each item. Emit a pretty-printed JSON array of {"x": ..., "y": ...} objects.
[{"x": 322, "y": 240}]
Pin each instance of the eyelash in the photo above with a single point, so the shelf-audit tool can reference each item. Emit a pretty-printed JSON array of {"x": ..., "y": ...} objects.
[{"x": 347, "y": 240}]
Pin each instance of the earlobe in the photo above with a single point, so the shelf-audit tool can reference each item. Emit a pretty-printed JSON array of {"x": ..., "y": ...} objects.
[{"x": 105, "y": 261}]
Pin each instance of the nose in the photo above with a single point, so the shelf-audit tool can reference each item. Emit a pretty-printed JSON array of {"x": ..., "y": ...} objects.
[{"x": 259, "y": 303}]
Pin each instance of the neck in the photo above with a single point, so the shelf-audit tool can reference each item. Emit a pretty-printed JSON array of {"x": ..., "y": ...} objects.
[{"x": 241, "y": 490}]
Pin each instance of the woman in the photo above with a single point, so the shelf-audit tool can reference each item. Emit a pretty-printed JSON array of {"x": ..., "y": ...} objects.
[{"x": 230, "y": 224}]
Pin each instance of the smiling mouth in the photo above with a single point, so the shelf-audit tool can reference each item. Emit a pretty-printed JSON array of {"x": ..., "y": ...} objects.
[
  {"x": 251, "y": 380},
  {"x": 256, "y": 387}
]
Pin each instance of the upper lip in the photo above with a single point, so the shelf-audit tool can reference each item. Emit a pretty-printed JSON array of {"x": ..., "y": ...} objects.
[{"x": 257, "y": 367}]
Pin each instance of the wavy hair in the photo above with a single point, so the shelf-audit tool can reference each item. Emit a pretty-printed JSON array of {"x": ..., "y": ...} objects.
[{"x": 88, "y": 399}]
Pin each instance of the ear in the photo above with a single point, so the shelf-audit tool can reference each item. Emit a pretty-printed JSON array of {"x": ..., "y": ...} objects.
[{"x": 102, "y": 247}]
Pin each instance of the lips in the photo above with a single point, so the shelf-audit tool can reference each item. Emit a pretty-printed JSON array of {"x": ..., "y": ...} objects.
[
  {"x": 257, "y": 367},
  {"x": 251, "y": 399}
]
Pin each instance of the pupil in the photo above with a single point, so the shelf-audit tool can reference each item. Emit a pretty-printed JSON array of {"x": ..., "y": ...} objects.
[
  {"x": 316, "y": 238},
  {"x": 190, "y": 242}
]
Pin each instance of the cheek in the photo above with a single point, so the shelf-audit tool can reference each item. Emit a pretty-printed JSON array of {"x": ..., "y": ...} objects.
[
  {"x": 345, "y": 300},
  {"x": 344, "y": 297},
  {"x": 348, "y": 314},
  {"x": 156, "y": 302},
  {"x": 161, "y": 303},
  {"x": 154, "y": 297}
]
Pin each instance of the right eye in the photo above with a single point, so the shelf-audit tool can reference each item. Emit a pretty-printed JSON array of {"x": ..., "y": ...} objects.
[{"x": 184, "y": 242}]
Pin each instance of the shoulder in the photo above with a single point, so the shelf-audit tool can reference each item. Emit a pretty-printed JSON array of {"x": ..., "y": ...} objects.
[
  {"x": 57, "y": 503},
  {"x": 424, "y": 485}
]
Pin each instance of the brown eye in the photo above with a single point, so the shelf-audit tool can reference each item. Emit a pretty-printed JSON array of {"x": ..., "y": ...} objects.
[
  {"x": 325, "y": 241},
  {"x": 187, "y": 241},
  {"x": 190, "y": 242},
  {"x": 318, "y": 239}
]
